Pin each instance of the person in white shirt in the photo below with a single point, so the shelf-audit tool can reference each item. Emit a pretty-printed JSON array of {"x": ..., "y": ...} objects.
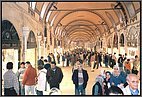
[
  {"x": 133, "y": 85},
  {"x": 11, "y": 85},
  {"x": 20, "y": 74},
  {"x": 41, "y": 80}
]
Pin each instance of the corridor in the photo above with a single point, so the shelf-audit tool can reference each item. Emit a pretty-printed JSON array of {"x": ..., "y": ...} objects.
[
  {"x": 100, "y": 32},
  {"x": 67, "y": 86}
]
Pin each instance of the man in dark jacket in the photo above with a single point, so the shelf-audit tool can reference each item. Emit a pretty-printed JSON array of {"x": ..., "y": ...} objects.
[
  {"x": 120, "y": 62},
  {"x": 80, "y": 79},
  {"x": 46, "y": 64},
  {"x": 40, "y": 61},
  {"x": 54, "y": 76}
]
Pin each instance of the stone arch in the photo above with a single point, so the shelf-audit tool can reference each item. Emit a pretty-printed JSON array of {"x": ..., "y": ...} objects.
[
  {"x": 10, "y": 38},
  {"x": 31, "y": 41}
]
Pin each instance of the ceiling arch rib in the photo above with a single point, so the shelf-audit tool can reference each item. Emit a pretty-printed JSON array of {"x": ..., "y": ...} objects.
[
  {"x": 99, "y": 3},
  {"x": 119, "y": 14},
  {"x": 54, "y": 18},
  {"x": 77, "y": 38},
  {"x": 67, "y": 13},
  {"x": 84, "y": 23},
  {"x": 45, "y": 5},
  {"x": 77, "y": 33},
  {"x": 38, "y": 7},
  {"x": 102, "y": 20},
  {"x": 80, "y": 30},
  {"x": 78, "y": 27},
  {"x": 74, "y": 32},
  {"x": 111, "y": 19},
  {"x": 47, "y": 12},
  {"x": 80, "y": 38}
]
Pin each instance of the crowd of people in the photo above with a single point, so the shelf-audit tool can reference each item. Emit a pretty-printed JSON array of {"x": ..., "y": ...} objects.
[{"x": 123, "y": 80}]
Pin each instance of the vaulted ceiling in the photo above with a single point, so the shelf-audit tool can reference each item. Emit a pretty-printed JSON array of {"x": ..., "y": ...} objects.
[{"x": 84, "y": 21}]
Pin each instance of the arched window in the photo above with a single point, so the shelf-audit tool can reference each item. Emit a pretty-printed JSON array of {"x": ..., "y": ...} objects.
[
  {"x": 10, "y": 38},
  {"x": 31, "y": 42},
  {"x": 115, "y": 41},
  {"x": 122, "y": 40},
  {"x": 132, "y": 36},
  {"x": 109, "y": 43}
]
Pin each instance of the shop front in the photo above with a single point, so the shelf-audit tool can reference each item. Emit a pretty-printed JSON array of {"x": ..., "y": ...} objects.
[
  {"x": 31, "y": 54},
  {"x": 11, "y": 46}
]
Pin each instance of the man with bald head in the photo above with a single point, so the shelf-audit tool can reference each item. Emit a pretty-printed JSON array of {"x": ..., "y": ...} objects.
[{"x": 133, "y": 85}]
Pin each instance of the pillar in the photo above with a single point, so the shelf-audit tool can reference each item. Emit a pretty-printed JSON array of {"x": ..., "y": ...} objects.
[
  {"x": 45, "y": 54},
  {"x": 39, "y": 46},
  {"x": 25, "y": 31},
  {"x": 119, "y": 42}
]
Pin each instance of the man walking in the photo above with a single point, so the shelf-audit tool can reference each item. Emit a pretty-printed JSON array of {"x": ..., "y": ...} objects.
[
  {"x": 20, "y": 73},
  {"x": 80, "y": 79},
  {"x": 54, "y": 76},
  {"x": 29, "y": 79}
]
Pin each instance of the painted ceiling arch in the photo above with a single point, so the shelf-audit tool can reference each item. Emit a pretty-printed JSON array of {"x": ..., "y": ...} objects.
[
  {"x": 76, "y": 31},
  {"x": 95, "y": 12},
  {"x": 80, "y": 30},
  {"x": 81, "y": 23},
  {"x": 96, "y": 21}
]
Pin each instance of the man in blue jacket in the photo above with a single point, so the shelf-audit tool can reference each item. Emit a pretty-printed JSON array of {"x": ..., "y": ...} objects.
[{"x": 80, "y": 79}]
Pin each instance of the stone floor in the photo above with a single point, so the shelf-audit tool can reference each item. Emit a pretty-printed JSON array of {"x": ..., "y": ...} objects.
[{"x": 67, "y": 86}]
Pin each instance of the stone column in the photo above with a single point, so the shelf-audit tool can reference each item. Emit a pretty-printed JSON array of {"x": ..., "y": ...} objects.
[
  {"x": 39, "y": 46},
  {"x": 138, "y": 42},
  {"x": 118, "y": 43},
  {"x": 125, "y": 42},
  {"x": 25, "y": 33},
  {"x": 45, "y": 54},
  {"x": 112, "y": 45}
]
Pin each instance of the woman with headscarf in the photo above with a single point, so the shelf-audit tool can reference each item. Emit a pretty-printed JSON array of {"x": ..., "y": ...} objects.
[
  {"x": 98, "y": 86},
  {"x": 117, "y": 79}
]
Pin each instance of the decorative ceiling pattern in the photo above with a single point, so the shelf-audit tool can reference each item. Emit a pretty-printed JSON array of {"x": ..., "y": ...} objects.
[{"x": 84, "y": 21}]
